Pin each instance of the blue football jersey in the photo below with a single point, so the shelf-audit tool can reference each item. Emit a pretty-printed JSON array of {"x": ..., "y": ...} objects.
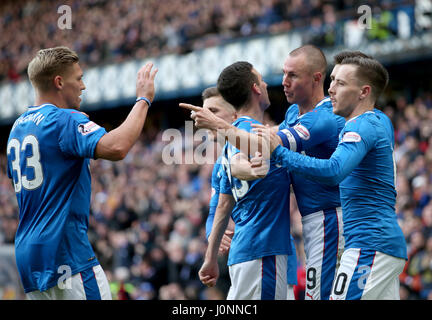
[
  {"x": 48, "y": 154},
  {"x": 261, "y": 213},
  {"x": 363, "y": 166},
  {"x": 215, "y": 190},
  {"x": 315, "y": 134}
]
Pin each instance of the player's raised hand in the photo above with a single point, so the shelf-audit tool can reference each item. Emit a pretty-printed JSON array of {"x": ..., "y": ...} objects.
[
  {"x": 209, "y": 273},
  {"x": 267, "y": 134},
  {"x": 203, "y": 117},
  {"x": 145, "y": 81}
]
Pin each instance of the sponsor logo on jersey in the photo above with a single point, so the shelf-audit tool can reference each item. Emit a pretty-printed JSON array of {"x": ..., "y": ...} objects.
[
  {"x": 302, "y": 131},
  {"x": 351, "y": 137},
  {"x": 86, "y": 128}
]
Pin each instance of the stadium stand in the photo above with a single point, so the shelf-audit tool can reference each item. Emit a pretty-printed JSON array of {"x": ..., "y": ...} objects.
[{"x": 114, "y": 31}]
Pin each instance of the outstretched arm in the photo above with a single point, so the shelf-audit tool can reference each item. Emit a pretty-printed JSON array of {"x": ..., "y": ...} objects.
[
  {"x": 209, "y": 272},
  {"x": 329, "y": 171},
  {"x": 344, "y": 159},
  {"x": 248, "y": 143}
]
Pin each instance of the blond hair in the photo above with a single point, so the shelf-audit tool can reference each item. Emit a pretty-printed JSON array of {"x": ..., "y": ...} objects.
[{"x": 49, "y": 63}]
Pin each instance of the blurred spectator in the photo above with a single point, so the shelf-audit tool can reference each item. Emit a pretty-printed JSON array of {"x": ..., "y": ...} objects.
[
  {"x": 212, "y": 293},
  {"x": 410, "y": 279},
  {"x": 421, "y": 267},
  {"x": 171, "y": 291}
]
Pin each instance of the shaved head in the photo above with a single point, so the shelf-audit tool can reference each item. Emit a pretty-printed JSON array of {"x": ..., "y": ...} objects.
[{"x": 313, "y": 56}]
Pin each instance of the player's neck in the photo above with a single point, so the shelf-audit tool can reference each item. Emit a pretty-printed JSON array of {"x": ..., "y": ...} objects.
[
  {"x": 254, "y": 112},
  {"x": 360, "y": 109},
  {"x": 50, "y": 98},
  {"x": 311, "y": 103}
]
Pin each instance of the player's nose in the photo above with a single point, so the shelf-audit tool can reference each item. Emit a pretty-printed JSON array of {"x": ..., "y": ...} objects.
[{"x": 331, "y": 89}]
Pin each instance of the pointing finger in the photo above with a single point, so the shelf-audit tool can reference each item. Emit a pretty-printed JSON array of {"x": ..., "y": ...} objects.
[
  {"x": 189, "y": 107},
  {"x": 259, "y": 131},
  {"x": 256, "y": 125}
]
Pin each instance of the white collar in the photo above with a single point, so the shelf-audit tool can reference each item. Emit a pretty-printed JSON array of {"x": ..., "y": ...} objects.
[
  {"x": 33, "y": 108},
  {"x": 370, "y": 111}
]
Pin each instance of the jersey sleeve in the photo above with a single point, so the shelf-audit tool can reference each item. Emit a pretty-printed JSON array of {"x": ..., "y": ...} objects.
[
  {"x": 78, "y": 136},
  {"x": 354, "y": 144},
  {"x": 209, "y": 221},
  {"x": 312, "y": 130},
  {"x": 215, "y": 189},
  {"x": 225, "y": 184},
  {"x": 215, "y": 184}
]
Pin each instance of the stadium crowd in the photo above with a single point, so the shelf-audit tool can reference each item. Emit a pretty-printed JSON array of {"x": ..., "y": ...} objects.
[
  {"x": 111, "y": 31},
  {"x": 147, "y": 221}
]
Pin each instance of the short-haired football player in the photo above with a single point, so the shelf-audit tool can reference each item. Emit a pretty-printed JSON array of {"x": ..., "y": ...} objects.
[{"x": 48, "y": 152}]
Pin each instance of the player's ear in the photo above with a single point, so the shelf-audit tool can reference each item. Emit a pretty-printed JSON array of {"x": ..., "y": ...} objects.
[
  {"x": 317, "y": 76},
  {"x": 58, "y": 82},
  {"x": 256, "y": 89},
  {"x": 234, "y": 116},
  {"x": 365, "y": 92}
]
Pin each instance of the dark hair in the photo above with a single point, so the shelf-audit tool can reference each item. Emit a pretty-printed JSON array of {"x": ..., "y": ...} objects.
[
  {"x": 315, "y": 57},
  {"x": 235, "y": 83},
  {"x": 210, "y": 92},
  {"x": 337, "y": 59},
  {"x": 371, "y": 72}
]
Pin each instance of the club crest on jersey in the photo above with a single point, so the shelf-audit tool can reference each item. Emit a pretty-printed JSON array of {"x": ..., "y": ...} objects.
[
  {"x": 86, "y": 128},
  {"x": 302, "y": 131},
  {"x": 351, "y": 137}
]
